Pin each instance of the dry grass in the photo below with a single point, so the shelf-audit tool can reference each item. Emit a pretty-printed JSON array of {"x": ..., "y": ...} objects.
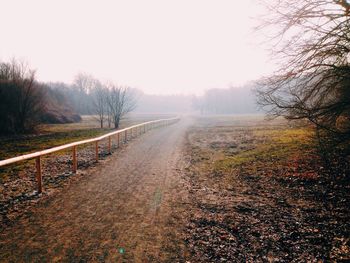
[{"x": 260, "y": 193}]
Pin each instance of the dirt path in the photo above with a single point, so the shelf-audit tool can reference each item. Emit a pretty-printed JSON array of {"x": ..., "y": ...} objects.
[{"x": 123, "y": 212}]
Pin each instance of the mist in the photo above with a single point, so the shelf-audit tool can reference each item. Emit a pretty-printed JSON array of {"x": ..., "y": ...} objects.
[
  {"x": 159, "y": 47},
  {"x": 175, "y": 131}
]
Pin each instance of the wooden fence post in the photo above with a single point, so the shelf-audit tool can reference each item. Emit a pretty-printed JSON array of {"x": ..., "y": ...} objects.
[
  {"x": 39, "y": 174},
  {"x": 117, "y": 140},
  {"x": 96, "y": 151},
  {"x": 109, "y": 145},
  {"x": 125, "y": 136},
  {"x": 75, "y": 163}
]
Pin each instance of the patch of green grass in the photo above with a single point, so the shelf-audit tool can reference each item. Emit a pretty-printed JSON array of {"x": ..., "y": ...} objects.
[
  {"x": 271, "y": 146},
  {"x": 12, "y": 147}
]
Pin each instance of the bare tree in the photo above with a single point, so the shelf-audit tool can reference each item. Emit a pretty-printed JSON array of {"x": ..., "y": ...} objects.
[
  {"x": 121, "y": 100},
  {"x": 108, "y": 111},
  {"x": 84, "y": 84},
  {"x": 21, "y": 98},
  {"x": 100, "y": 94},
  {"x": 312, "y": 44}
]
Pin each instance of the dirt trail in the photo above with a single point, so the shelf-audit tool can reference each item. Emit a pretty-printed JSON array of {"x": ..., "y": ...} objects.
[{"x": 125, "y": 211}]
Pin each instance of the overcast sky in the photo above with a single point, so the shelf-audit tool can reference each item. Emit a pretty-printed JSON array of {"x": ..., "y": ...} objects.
[{"x": 159, "y": 46}]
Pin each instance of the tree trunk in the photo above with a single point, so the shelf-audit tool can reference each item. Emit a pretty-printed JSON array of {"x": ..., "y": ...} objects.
[{"x": 116, "y": 123}]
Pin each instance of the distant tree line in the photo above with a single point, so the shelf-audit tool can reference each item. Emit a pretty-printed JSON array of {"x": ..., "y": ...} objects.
[
  {"x": 25, "y": 103},
  {"x": 226, "y": 101},
  {"x": 167, "y": 104},
  {"x": 107, "y": 101}
]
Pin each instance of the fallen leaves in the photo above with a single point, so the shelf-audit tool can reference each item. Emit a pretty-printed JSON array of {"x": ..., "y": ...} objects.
[{"x": 18, "y": 188}]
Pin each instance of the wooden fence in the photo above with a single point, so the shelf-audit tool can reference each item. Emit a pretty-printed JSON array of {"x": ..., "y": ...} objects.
[{"x": 121, "y": 136}]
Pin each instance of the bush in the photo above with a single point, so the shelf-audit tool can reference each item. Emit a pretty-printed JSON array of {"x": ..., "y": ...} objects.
[
  {"x": 25, "y": 103},
  {"x": 21, "y": 98}
]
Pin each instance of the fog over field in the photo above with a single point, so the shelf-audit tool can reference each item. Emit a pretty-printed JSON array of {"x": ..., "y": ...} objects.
[
  {"x": 159, "y": 47},
  {"x": 175, "y": 131},
  {"x": 210, "y": 56}
]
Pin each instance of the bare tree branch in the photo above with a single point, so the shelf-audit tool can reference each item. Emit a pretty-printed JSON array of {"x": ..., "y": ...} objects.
[{"x": 312, "y": 46}]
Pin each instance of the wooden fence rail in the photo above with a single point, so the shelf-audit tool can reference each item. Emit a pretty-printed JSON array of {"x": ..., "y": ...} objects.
[{"x": 128, "y": 133}]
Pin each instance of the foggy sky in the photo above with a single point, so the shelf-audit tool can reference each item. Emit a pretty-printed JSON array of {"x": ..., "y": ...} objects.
[{"x": 158, "y": 46}]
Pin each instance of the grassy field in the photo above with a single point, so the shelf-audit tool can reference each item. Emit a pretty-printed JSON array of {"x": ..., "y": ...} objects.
[{"x": 260, "y": 193}]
